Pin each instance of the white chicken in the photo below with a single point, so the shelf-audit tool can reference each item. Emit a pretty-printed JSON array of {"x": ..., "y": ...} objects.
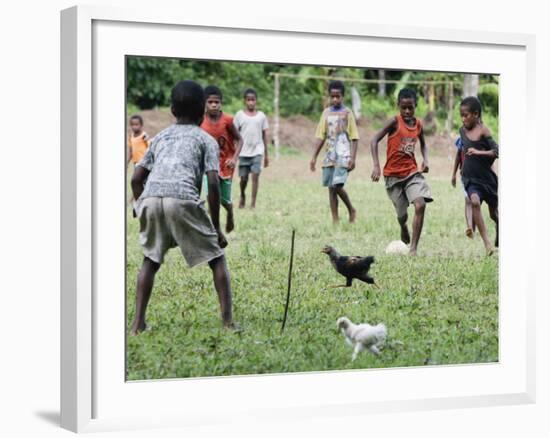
[{"x": 362, "y": 336}]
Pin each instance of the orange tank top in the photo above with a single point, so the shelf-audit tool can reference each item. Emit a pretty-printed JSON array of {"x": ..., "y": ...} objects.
[{"x": 400, "y": 159}]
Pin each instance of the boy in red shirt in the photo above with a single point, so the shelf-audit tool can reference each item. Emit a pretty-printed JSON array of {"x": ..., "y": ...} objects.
[
  {"x": 220, "y": 126},
  {"x": 405, "y": 183}
]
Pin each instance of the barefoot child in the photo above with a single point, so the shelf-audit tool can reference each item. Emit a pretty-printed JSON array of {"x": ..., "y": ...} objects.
[
  {"x": 220, "y": 126},
  {"x": 252, "y": 125},
  {"x": 138, "y": 140},
  {"x": 478, "y": 177},
  {"x": 337, "y": 128},
  {"x": 459, "y": 162},
  {"x": 168, "y": 205},
  {"x": 405, "y": 183}
]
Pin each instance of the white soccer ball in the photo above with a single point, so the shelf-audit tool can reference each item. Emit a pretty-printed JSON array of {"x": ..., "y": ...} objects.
[{"x": 397, "y": 247}]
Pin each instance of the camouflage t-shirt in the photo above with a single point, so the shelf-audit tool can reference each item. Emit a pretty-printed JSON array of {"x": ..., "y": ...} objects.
[
  {"x": 338, "y": 128},
  {"x": 177, "y": 159}
]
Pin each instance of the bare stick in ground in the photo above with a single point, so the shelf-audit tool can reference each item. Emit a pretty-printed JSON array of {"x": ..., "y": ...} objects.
[{"x": 289, "y": 279}]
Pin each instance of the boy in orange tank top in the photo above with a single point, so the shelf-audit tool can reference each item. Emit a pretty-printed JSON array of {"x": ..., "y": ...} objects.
[{"x": 405, "y": 183}]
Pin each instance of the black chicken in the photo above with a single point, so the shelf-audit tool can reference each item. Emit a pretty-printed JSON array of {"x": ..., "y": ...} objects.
[{"x": 350, "y": 266}]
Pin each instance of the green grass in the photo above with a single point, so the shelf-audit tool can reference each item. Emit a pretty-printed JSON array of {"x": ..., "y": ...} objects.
[{"x": 442, "y": 305}]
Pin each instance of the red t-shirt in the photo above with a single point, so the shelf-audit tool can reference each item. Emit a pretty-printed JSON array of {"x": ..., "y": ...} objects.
[
  {"x": 220, "y": 131},
  {"x": 400, "y": 159}
]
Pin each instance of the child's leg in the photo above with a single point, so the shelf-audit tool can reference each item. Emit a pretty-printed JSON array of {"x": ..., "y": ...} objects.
[
  {"x": 345, "y": 198},
  {"x": 493, "y": 212},
  {"x": 478, "y": 220},
  {"x": 222, "y": 284},
  {"x": 470, "y": 226},
  {"x": 230, "y": 224},
  {"x": 145, "y": 280},
  {"x": 405, "y": 236},
  {"x": 244, "y": 182},
  {"x": 418, "y": 222},
  {"x": 333, "y": 201},
  {"x": 255, "y": 184}
]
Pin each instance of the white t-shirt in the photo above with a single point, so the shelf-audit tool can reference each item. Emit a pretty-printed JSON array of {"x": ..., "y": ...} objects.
[{"x": 251, "y": 129}]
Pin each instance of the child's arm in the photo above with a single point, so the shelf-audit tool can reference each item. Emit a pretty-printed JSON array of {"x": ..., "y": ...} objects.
[
  {"x": 455, "y": 167},
  {"x": 424, "y": 151},
  {"x": 493, "y": 152},
  {"x": 138, "y": 181},
  {"x": 214, "y": 204},
  {"x": 129, "y": 155},
  {"x": 389, "y": 127},
  {"x": 237, "y": 138},
  {"x": 316, "y": 150},
  {"x": 351, "y": 164},
  {"x": 264, "y": 138}
]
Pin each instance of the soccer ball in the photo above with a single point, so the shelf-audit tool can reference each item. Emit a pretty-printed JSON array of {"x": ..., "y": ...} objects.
[{"x": 397, "y": 247}]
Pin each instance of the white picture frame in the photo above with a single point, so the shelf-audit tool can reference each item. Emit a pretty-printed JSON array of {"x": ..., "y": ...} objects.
[{"x": 94, "y": 395}]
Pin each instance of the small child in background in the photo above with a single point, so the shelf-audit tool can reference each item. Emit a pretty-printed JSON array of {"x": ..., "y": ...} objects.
[
  {"x": 220, "y": 126},
  {"x": 405, "y": 183},
  {"x": 252, "y": 126},
  {"x": 479, "y": 179},
  {"x": 459, "y": 162},
  {"x": 337, "y": 128},
  {"x": 138, "y": 140}
]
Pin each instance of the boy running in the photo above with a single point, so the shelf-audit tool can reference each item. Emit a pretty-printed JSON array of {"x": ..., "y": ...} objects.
[{"x": 405, "y": 183}]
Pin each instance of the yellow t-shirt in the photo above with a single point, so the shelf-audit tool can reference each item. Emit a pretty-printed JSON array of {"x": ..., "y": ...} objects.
[
  {"x": 138, "y": 146},
  {"x": 338, "y": 128}
]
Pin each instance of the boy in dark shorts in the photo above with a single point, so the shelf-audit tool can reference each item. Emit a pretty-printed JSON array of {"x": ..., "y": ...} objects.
[
  {"x": 405, "y": 183},
  {"x": 166, "y": 185},
  {"x": 337, "y": 128},
  {"x": 478, "y": 177}
]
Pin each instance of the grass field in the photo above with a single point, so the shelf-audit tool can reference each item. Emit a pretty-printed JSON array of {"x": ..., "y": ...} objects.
[{"x": 442, "y": 305}]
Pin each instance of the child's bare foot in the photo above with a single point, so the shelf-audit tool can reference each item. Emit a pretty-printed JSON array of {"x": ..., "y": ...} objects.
[
  {"x": 137, "y": 329},
  {"x": 412, "y": 252},
  {"x": 405, "y": 236},
  {"x": 242, "y": 202},
  {"x": 469, "y": 233},
  {"x": 233, "y": 326},
  {"x": 352, "y": 215}
]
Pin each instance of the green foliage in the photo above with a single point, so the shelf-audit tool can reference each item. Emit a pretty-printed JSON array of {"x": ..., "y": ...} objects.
[
  {"x": 488, "y": 95},
  {"x": 150, "y": 80}
]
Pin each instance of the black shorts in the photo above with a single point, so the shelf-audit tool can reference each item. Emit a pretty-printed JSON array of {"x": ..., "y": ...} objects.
[{"x": 484, "y": 194}]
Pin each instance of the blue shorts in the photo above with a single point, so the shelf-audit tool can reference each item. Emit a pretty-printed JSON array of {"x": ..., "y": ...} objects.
[
  {"x": 334, "y": 176},
  {"x": 250, "y": 165}
]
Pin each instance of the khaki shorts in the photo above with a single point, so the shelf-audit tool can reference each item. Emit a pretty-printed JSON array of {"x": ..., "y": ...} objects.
[
  {"x": 403, "y": 191},
  {"x": 165, "y": 223}
]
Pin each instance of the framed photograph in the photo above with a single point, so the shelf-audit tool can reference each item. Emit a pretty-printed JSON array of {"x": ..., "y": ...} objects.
[{"x": 450, "y": 327}]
